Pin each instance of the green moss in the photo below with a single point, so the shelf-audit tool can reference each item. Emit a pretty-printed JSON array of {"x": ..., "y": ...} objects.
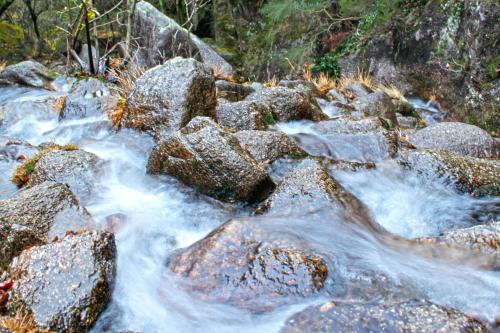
[
  {"x": 268, "y": 119},
  {"x": 494, "y": 67}
]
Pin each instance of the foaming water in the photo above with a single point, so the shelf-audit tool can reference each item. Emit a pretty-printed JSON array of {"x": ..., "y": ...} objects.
[{"x": 159, "y": 215}]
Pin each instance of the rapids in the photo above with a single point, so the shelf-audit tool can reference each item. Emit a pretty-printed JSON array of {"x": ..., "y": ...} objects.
[{"x": 162, "y": 215}]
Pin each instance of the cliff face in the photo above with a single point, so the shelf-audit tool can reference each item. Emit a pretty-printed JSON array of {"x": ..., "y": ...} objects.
[
  {"x": 449, "y": 48},
  {"x": 444, "y": 47}
]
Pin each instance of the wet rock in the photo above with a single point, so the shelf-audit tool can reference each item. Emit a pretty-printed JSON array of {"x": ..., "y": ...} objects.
[
  {"x": 36, "y": 215},
  {"x": 231, "y": 91},
  {"x": 483, "y": 238},
  {"x": 377, "y": 104},
  {"x": 415, "y": 316},
  {"x": 302, "y": 86},
  {"x": 206, "y": 157},
  {"x": 89, "y": 97},
  {"x": 244, "y": 115},
  {"x": 407, "y": 122},
  {"x": 167, "y": 97},
  {"x": 288, "y": 104},
  {"x": 67, "y": 284},
  {"x": 309, "y": 189},
  {"x": 77, "y": 169},
  {"x": 15, "y": 149},
  {"x": 28, "y": 73},
  {"x": 457, "y": 137},
  {"x": 238, "y": 264},
  {"x": 476, "y": 176},
  {"x": 359, "y": 89},
  {"x": 162, "y": 38},
  {"x": 362, "y": 140},
  {"x": 268, "y": 146},
  {"x": 336, "y": 95}
]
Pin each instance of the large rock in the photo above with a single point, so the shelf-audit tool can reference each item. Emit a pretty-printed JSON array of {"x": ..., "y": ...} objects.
[
  {"x": 244, "y": 115},
  {"x": 28, "y": 73},
  {"x": 415, "y": 316},
  {"x": 67, "y": 284},
  {"x": 77, "y": 169},
  {"x": 468, "y": 174},
  {"x": 377, "y": 104},
  {"x": 268, "y": 146},
  {"x": 89, "y": 97},
  {"x": 309, "y": 189},
  {"x": 163, "y": 39},
  {"x": 240, "y": 265},
  {"x": 231, "y": 91},
  {"x": 483, "y": 238},
  {"x": 288, "y": 104},
  {"x": 35, "y": 216},
  {"x": 352, "y": 139},
  {"x": 167, "y": 97},
  {"x": 210, "y": 159},
  {"x": 457, "y": 137}
]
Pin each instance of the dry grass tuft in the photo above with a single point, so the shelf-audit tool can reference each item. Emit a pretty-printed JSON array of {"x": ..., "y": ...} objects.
[
  {"x": 219, "y": 75},
  {"x": 116, "y": 114},
  {"x": 21, "y": 324},
  {"x": 392, "y": 91},
  {"x": 324, "y": 83},
  {"x": 59, "y": 103},
  {"x": 2, "y": 66},
  {"x": 272, "y": 82},
  {"x": 23, "y": 172},
  {"x": 126, "y": 79}
]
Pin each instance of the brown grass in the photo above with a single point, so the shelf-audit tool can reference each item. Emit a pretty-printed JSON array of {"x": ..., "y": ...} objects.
[
  {"x": 219, "y": 75},
  {"x": 21, "y": 324},
  {"x": 59, "y": 103},
  {"x": 2, "y": 66},
  {"x": 272, "y": 82}
]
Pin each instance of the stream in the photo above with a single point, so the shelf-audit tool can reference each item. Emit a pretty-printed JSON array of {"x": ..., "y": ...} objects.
[{"x": 163, "y": 215}]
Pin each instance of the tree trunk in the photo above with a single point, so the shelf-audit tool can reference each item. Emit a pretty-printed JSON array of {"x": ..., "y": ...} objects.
[
  {"x": 130, "y": 18},
  {"x": 4, "y": 5},
  {"x": 89, "y": 41}
]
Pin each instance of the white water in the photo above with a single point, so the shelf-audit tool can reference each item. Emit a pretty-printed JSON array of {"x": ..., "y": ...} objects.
[{"x": 163, "y": 215}]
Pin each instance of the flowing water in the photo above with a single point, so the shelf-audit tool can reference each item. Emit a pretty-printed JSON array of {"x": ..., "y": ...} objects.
[{"x": 162, "y": 215}]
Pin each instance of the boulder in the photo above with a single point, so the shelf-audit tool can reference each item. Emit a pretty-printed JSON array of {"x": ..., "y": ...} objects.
[
  {"x": 407, "y": 122},
  {"x": 457, "y": 137},
  {"x": 377, "y": 104},
  {"x": 244, "y": 115},
  {"x": 476, "y": 176},
  {"x": 208, "y": 158},
  {"x": 36, "y": 215},
  {"x": 77, "y": 169},
  {"x": 232, "y": 91},
  {"x": 65, "y": 285},
  {"x": 414, "y": 316},
  {"x": 268, "y": 146},
  {"x": 167, "y": 97},
  {"x": 351, "y": 139},
  {"x": 336, "y": 95},
  {"x": 483, "y": 238},
  {"x": 28, "y": 73},
  {"x": 309, "y": 189},
  {"x": 89, "y": 97},
  {"x": 302, "y": 86},
  {"x": 359, "y": 89},
  {"x": 162, "y": 39},
  {"x": 288, "y": 104},
  {"x": 239, "y": 264}
]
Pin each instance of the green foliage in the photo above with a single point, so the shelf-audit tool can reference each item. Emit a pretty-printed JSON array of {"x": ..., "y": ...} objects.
[
  {"x": 494, "y": 67},
  {"x": 11, "y": 38},
  {"x": 327, "y": 64}
]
